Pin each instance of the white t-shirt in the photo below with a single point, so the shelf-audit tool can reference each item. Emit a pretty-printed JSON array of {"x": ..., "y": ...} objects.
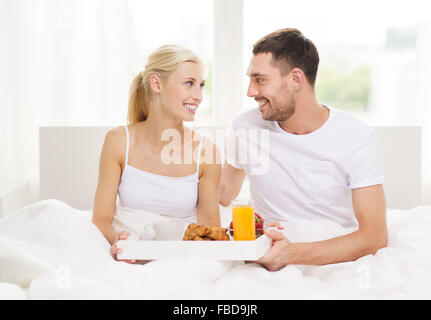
[{"x": 305, "y": 177}]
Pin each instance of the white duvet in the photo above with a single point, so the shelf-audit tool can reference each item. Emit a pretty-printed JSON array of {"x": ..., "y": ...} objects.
[{"x": 49, "y": 250}]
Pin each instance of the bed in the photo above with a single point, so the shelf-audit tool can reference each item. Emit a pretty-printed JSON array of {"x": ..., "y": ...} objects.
[{"x": 53, "y": 266}]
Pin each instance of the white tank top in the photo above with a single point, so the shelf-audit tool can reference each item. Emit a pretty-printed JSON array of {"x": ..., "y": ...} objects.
[{"x": 170, "y": 196}]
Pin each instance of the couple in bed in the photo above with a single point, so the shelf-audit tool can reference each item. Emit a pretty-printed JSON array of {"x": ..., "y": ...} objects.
[{"x": 321, "y": 163}]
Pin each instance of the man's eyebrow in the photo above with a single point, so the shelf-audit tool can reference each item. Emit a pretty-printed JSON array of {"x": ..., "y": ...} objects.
[{"x": 256, "y": 74}]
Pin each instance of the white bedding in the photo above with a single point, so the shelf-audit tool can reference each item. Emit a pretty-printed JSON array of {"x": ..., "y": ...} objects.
[{"x": 49, "y": 250}]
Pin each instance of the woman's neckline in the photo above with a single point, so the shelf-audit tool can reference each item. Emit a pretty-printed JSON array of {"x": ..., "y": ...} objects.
[{"x": 159, "y": 175}]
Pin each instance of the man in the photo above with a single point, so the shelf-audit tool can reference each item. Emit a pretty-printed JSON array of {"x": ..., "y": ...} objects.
[{"x": 322, "y": 162}]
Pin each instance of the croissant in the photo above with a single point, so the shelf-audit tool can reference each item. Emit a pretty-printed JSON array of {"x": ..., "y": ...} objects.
[
  {"x": 197, "y": 238},
  {"x": 217, "y": 233},
  {"x": 196, "y": 232}
]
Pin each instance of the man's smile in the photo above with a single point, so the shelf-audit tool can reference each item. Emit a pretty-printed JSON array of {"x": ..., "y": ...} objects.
[{"x": 262, "y": 103}]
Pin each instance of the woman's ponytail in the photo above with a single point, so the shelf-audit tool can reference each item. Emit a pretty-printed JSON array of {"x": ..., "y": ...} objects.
[{"x": 138, "y": 102}]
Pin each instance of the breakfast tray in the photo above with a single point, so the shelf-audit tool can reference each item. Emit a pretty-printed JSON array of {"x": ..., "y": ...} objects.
[{"x": 215, "y": 250}]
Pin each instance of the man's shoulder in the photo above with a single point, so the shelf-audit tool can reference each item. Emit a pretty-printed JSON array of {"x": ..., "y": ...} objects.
[{"x": 351, "y": 124}]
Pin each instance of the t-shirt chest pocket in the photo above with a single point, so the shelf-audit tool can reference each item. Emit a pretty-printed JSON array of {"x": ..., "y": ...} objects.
[{"x": 316, "y": 175}]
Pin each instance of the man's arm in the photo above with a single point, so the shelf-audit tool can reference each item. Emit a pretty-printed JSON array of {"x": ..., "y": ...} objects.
[
  {"x": 231, "y": 183},
  {"x": 370, "y": 209}
]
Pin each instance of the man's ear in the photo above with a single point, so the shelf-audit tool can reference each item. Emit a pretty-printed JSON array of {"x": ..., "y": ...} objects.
[
  {"x": 297, "y": 78},
  {"x": 155, "y": 83}
]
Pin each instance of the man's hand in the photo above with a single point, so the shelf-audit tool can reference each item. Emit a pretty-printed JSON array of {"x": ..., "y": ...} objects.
[
  {"x": 279, "y": 255},
  {"x": 274, "y": 224}
]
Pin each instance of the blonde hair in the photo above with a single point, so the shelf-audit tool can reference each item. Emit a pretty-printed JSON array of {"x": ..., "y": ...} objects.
[{"x": 162, "y": 62}]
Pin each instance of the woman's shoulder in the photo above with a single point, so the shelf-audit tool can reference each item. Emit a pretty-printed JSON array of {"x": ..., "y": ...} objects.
[
  {"x": 198, "y": 137},
  {"x": 120, "y": 133},
  {"x": 115, "y": 140},
  {"x": 115, "y": 135},
  {"x": 210, "y": 153}
]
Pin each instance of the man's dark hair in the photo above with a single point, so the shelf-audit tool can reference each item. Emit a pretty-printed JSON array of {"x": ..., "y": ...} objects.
[{"x": 290, "y": 49}]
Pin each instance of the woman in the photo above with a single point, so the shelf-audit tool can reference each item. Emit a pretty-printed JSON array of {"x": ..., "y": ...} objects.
[{"x": 134, "y": 162}]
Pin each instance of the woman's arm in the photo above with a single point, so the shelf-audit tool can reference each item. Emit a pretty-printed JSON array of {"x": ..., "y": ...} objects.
[
  {"x": 209, "y": 184},
  {"x": 109, "y": 180}
]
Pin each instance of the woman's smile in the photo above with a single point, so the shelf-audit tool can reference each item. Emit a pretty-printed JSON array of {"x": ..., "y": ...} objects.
[{"x": 190, "y": 107}]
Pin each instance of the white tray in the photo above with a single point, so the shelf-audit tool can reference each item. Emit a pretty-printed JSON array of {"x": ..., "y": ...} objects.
[{"x": 215, "y": 250}]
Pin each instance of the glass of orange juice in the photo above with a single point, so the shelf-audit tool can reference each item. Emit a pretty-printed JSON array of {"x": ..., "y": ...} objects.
[{"x": 243, "y": 220}]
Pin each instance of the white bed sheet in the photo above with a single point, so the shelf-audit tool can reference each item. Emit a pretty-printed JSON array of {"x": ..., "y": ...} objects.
[{"x": 49, "y": 250}]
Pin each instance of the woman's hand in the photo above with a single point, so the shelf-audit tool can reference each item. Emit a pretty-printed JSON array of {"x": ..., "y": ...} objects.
[{"x": 123, "y": 235}]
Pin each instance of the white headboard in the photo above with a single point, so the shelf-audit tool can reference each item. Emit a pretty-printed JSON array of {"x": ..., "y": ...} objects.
[
  {"x": 401, "y": 158},
  {"x": 69, "y": 164}
]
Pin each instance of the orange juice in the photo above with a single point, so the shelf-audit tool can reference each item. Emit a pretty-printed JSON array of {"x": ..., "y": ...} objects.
[{"x": 243, "y": 220}]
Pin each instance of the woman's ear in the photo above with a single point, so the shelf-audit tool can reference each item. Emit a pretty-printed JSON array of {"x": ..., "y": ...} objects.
[{"x": 155, "y": 83}]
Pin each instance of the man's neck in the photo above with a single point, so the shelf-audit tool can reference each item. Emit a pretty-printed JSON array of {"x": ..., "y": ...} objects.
[{"x": 308, "y": 117}]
